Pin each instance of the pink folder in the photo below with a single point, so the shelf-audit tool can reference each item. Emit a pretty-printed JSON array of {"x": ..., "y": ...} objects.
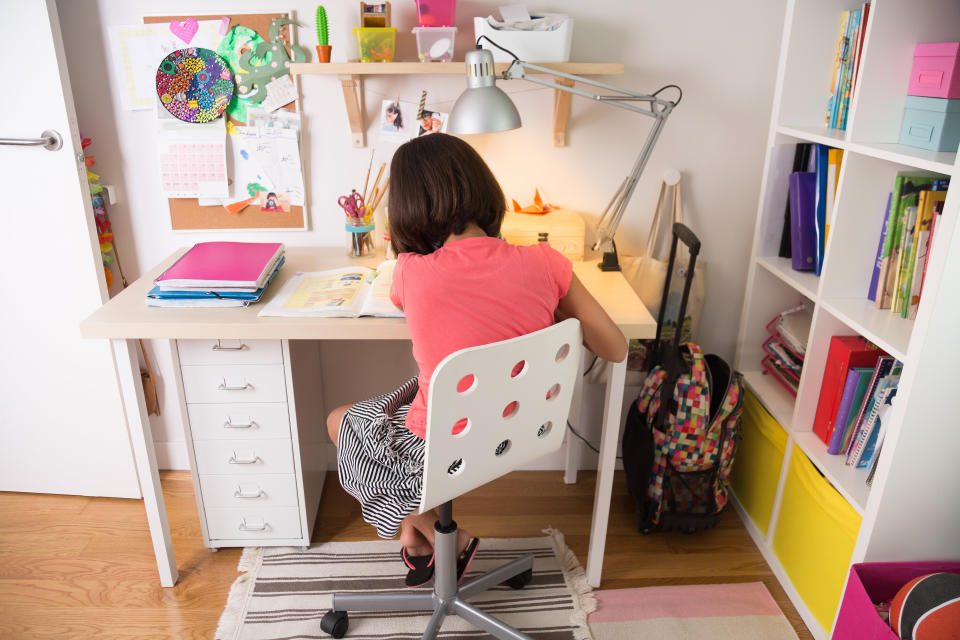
[{"x": 223, "y": 264}]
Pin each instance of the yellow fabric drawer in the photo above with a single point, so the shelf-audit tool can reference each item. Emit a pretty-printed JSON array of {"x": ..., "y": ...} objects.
[
  {"x": 756, "y": 471},
  {"x": 815, "y": 535}
]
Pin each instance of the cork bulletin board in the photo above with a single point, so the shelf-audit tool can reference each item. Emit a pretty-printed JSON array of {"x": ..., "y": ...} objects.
[{"x": 186, "y": 214}]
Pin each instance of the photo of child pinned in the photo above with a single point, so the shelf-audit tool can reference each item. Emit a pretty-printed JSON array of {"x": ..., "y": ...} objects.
[{"x": 270, "y": 201}]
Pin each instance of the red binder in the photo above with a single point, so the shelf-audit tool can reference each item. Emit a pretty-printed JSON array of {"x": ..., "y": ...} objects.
[{"x": 844, "y": 352}]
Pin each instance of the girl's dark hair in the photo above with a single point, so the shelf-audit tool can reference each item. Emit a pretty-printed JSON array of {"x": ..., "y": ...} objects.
[
  {"x": 438, "y": 185},
  {"x": 393, "y": 108}
]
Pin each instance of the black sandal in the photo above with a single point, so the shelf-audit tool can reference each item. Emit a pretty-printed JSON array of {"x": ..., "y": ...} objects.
[
  {"x": 463, "y": 562},
  {"x": 420, "y": 568}
]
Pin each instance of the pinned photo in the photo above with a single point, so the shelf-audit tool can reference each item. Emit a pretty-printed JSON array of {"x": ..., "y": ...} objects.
[
  {"x": 431, "y": 122},
  {"x": 270, "y": 201}
]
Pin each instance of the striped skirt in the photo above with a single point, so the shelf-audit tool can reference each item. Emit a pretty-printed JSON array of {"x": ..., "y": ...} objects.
[{"x": 380, "y": 461}]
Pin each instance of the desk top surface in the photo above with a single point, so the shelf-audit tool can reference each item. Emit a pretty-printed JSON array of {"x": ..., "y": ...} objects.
[{"x": 126, "y": 315}]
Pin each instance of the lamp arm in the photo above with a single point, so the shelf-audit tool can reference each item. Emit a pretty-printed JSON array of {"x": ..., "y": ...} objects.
[{"x": 657, "y": 108}]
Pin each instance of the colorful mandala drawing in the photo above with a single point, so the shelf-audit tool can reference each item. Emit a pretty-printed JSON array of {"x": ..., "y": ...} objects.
[{"x": 194, "y": 85}]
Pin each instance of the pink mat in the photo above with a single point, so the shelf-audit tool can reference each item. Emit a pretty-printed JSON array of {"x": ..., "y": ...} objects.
[{"x": 742, "y": 611}]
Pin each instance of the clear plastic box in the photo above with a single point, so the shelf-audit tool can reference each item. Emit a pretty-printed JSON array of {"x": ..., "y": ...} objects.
[
  {"x": 435, "y": 13},
  {"x": 435, "y": 43},
  {"x": 376, "y": 44}
]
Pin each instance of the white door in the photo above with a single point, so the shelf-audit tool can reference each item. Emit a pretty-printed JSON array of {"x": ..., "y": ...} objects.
[{"x": 62, "y": 427}]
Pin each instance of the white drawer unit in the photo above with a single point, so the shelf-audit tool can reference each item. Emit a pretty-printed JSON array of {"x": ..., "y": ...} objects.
[
  {"x": 234, "y": 383},
  {"x": 253, "y": 523},
  {"x": 225, "y": 351},
  {"x": 243, "y": 457},
  {"x": 242, "y": 491},
  {"x": 257, "y": 477},
  {"x": 239, "y": 420}
]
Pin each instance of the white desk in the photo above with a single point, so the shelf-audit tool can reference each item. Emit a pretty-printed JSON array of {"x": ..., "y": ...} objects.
[{"x": 126, "y": 318}]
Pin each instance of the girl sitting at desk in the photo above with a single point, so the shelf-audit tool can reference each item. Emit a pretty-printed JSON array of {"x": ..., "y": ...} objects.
[{"x": 459, "y": 286}]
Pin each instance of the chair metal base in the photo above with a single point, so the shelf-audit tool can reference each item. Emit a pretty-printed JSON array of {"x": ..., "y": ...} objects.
[{"x": 446, "y": 599}]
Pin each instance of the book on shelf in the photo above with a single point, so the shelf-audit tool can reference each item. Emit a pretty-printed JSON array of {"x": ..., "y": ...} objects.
[
  {"x": 877, "y": 401},
  {"x": 906, "y": 187},
  {"x": 883, "y": 367},
  {"x": 848, "y": 71},
  {"x": 864, "y": 18},
  {"x": 875, "y": 277},
  {"x": 846, "y": 65},
  {"x": 834, "y": 161},
  {"x": 843, "y": 353},
  {"x": 349, "y": 292},
  {"x": 853, "y": 391},
  {"x": 793, "y": 328},
  {"x": 837, "y": 63},
  {"x": 865, "y": 456},
  {"x": 222, "y": 266},
  {"x": 937, "y": 211},
  {"x": 821, "y": 170},
  {"x": 199, "y": 297},
  {"x": 803, "y": 212},
  {"x": 926, "y": 210},
  {"x": 801, "y": 160}
]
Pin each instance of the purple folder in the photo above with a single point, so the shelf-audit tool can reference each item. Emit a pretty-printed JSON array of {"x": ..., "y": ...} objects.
[
  {"x": 803, "y": 220},
  {"x": 843, "y": 413}
]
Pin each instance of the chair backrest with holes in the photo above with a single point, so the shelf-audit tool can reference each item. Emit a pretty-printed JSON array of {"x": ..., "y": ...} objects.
[{"x": 496, "y": 407}]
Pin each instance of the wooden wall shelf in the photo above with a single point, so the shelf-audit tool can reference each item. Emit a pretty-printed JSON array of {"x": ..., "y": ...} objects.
[{"x": 351, "y": 75}]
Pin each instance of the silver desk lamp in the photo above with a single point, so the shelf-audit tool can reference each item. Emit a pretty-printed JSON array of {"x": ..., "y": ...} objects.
[{"x": 484, "y": 108}]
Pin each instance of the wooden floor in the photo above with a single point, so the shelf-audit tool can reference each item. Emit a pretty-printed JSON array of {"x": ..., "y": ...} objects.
[{"x": 75, "y": 567}]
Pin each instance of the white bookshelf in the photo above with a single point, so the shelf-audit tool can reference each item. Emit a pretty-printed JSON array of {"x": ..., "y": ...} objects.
[{"x": 910, "y": 512}]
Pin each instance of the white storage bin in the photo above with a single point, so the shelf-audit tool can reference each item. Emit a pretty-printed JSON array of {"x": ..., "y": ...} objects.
[{"x": 529, "y": 46}]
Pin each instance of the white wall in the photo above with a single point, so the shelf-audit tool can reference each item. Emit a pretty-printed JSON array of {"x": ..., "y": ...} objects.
[{"x": 723, "y": 54}]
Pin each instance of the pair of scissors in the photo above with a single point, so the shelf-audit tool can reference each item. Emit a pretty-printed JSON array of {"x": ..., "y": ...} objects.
[{"x": 353, "y": 204}]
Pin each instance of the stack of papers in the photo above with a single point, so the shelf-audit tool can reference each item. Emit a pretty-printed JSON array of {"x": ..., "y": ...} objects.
[{"x": 218, "y": 274}]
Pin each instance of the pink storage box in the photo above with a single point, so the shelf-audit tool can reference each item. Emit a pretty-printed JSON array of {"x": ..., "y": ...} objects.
[
  {"x": 435, "y": 13},
  {"x": 936, "y": 70},
  {"x": 871, "y": 582}
]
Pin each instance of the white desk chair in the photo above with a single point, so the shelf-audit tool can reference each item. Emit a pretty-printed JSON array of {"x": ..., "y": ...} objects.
[{"x": 514, "y": 397}]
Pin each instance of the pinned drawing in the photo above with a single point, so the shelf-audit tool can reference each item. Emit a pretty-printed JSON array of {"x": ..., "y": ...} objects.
[
  {"x": 194, "y": 84},
  {"x": 256, "y": 70}
]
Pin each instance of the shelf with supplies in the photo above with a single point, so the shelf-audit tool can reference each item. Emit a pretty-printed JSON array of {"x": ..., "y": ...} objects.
[
  {"x": 352, "y": 74},
  {"x": 917, "y": 452}
]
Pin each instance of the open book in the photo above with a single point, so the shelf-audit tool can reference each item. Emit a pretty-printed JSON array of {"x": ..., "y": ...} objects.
[{"x": 349, "y": 292}]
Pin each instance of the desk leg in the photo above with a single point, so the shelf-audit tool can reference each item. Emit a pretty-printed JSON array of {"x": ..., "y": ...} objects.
[
  {"x": 612, "y": 405},
  {"x": 141, "y": 440},
  {"x": 574, "y": 445}
]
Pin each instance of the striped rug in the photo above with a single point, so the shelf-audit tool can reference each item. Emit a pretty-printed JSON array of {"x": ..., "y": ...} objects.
[
  {"x": 743, "y": 611},
  {"x": 284, "y": 592}
]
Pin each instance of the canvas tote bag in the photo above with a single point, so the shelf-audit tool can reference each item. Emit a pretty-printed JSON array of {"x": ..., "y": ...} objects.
[{"x": 647, "y": 273}]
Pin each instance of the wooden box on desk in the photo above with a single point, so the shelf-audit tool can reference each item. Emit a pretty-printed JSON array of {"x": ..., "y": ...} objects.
[{"x": 562, "y": 229}]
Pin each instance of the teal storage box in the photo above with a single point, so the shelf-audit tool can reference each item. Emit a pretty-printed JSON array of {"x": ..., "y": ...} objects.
[{"x": 931, "y": 123}]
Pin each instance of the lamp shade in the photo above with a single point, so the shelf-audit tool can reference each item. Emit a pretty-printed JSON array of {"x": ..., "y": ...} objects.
[{"x": 483, "y": 107}]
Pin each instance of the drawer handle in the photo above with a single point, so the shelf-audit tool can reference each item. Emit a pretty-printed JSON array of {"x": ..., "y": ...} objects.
[
  {"x": 220, "y": 347},
  {"x": 236, "y": 425},
  {"x": 223, "y": 386},
  {"x": 256, "y": 527},
  {"x": 234, "y": 460},
  {"x": 240, "y": 494}
]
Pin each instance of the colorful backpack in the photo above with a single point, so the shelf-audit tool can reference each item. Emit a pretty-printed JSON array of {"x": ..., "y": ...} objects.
[
  {"x": 677, "y": 454},
  {"x": 678, "y": 459}
]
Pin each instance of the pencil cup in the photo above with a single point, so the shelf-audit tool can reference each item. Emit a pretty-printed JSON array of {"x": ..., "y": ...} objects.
[{"x": 359, "y": 240}]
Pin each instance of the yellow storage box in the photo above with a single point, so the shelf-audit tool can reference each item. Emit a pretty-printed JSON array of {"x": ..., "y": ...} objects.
[
  {"x": 562, "y": 229},
  {"x": 756, "y": 471},
  {"x": 814, "y": 539}
]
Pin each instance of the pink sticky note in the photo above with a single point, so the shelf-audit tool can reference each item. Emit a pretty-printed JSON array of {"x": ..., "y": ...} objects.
[
  {"x": 224, "y": 25},
  {"x": 185, "y": 30}
]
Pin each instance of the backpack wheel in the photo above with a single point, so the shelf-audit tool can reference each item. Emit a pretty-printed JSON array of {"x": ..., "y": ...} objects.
[{"x": 335, "y": 623}]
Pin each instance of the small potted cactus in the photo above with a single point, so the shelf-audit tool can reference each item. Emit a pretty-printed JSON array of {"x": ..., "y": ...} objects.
[{"x": 323, "y": 35}]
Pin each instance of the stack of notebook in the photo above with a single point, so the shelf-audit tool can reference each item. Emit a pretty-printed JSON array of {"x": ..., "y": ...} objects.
[{"x": 218, "y": 274}]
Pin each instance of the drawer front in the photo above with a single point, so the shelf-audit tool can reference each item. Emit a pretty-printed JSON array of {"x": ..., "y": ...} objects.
[
  {"x": 249, "y": 491},
  {"x": 230, "y": 351},
  {"x": 756, "y": 470},
  {"x": 239, "y": 420},
  {"x": 814, "y": 539},
  {"x": 252, "y": 523},
  {"x": 243, "y": 457},
  {"x": 234, "y": 383}
]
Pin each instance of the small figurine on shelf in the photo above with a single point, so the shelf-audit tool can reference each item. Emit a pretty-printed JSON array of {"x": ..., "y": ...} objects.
[{"x": 323, "y": 35}]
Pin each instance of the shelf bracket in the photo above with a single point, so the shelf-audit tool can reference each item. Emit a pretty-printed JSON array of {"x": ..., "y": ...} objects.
[
  {"x": 561, "y": 111},
  {"x": 352, "y": 86}
]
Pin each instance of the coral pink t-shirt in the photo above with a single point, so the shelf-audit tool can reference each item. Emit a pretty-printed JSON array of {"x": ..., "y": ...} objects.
[{"x": 471, "y": 292}]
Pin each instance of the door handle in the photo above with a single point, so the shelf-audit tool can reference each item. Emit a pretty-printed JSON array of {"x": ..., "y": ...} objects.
[{"x": 49, "y": 140}]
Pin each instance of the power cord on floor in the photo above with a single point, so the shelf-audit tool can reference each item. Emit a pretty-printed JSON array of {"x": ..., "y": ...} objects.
[{"x": 585, "y": 441}]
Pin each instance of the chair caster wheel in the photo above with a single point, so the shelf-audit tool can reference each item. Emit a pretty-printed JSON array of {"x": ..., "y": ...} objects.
[
  {"x": 335, "y": 623},
  {"x": 520, "y": 580}
]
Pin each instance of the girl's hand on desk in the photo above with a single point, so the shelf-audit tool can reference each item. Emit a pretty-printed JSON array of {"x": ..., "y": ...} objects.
[{"x": 600, "y": 334}]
